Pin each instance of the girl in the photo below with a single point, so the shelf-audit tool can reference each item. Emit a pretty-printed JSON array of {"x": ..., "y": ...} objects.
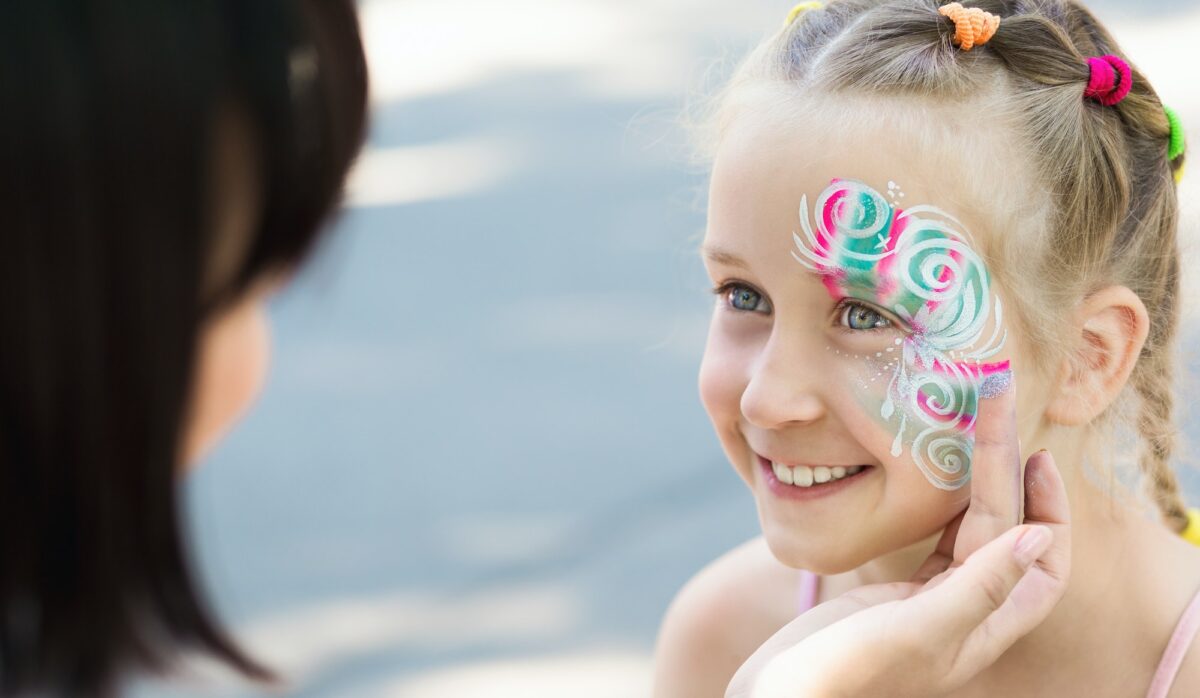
[
  {"x": 162, "y": 167},
  {"x": 912, "y": 208}
]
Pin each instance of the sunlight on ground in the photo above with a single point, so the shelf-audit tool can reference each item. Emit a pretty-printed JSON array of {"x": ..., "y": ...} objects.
[
  {"x": 302, "y": 643},
  {"x": 410, "y": 174},
  {"x": 600, "y": 674},
  {"x": 623, "y": 47},
  {"x": 306, "y": 641},
  {"x": 503, "y": 539}
]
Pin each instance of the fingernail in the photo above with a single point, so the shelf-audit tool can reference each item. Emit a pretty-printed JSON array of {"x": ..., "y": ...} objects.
[
  {"x": 1031, "y": 544},
  {"x": 996, "y": 384}
]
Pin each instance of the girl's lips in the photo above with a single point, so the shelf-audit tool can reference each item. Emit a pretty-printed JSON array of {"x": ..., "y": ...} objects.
[{"x": 816, "y": 490}]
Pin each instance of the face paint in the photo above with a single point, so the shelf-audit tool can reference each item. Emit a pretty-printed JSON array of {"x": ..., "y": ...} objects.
[{"x": 918, "y": 264}]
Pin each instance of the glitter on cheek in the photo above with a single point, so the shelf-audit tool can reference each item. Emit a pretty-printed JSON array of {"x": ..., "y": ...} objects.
[
  {"x": 869, "y": 378},
  {"x": 882, "y": 395}
]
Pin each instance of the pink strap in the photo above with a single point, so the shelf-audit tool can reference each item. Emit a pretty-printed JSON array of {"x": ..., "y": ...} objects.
[
  {"x": 806, "y": 593},
  {"x": 1177, "y": 649}
]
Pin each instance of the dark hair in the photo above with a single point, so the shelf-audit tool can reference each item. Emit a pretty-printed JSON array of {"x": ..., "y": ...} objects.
[{"x": 107, "y": 132}]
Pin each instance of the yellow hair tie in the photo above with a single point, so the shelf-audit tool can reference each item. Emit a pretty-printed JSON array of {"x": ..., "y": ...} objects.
[
  {"x": 801, "y": 9},
  {"x": 1192, "y": 533}
]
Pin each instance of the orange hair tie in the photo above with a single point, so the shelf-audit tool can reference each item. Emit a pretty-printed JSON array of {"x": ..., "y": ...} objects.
[{"x": 972, "y": 26}]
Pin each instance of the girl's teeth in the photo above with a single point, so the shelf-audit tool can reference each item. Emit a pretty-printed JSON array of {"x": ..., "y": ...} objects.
[{"x": 803, "y": 476}]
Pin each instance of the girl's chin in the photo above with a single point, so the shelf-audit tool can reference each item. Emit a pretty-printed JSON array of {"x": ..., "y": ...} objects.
[
  {"x": 793, "y": 551},
  {"x": 815, "y": 553}
]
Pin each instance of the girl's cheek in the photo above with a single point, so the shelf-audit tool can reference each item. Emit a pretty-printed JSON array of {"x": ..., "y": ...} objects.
[
  {"x": 232, "y": 361},
  {"x": 926, "y": 410},
  {"x": 868, "y": 380},
  {"x": 723, "y": 375}
]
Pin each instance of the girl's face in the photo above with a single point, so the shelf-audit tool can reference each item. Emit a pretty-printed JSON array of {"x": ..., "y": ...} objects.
[
  {"x": 855, "y": 328},
  {"x": 231, "y": 369}
]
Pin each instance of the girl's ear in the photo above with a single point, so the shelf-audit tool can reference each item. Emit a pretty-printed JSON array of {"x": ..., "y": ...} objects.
[{"x": 1110, "y": 328}]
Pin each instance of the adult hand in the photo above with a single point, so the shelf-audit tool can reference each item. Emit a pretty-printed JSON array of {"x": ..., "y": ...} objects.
[{"x": 988, "y": 583}]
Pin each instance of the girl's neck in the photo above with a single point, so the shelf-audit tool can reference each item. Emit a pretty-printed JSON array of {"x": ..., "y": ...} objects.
[
  {"x": 1130, "y": 577},
  {"x": 896, "y": 566}
]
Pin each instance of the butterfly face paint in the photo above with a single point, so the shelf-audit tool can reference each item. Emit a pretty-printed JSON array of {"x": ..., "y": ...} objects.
[{"x": 919, "y": 265}]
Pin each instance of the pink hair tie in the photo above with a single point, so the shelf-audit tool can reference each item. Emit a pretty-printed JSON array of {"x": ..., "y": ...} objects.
[{"x": 1103, "y": 84}]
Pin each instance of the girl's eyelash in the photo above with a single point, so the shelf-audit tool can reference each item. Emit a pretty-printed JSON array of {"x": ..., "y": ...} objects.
[
  {"x": 723, "y": 289},
  {"x": 849, "y": 303}
]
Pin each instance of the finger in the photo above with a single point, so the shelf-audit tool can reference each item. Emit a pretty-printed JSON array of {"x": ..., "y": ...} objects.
[
  {"x": 1046, "y": 504},
  {"x": 1042, "y": 586},
  {"x": 995, "y": 474},
  {"x": 943, "y": 554},
  {"x": 1045, "y": 495},
  {"x": 1030, "y": 603},
  {"x": 981, "y": 585}
]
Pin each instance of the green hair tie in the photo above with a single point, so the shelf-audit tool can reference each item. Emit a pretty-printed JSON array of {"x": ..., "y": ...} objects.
[{"x": 1177, "y": 144}]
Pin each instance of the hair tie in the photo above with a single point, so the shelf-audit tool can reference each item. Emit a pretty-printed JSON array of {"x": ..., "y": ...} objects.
[
  {"x": 1192, "y": 532},
  {"x": 1110, "y": 80},
  {"x": 801, "y": 9},
  {"x": 1176, "y": 145},
  {"x": 972, "y": 26}
]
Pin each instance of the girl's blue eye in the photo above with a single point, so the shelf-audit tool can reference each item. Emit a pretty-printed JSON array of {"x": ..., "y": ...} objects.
[
  {"x": 861, "y": 317},
  {"x": 746, "y": 299}
]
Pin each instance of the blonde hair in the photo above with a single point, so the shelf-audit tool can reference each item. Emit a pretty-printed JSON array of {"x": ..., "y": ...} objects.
[{"x": 1109, "y": 213}]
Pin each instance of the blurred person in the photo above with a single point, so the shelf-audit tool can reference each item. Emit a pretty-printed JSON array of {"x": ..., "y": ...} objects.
[
  {"x": 166, "y": 166},
  {"x": 914, "y": 207}
]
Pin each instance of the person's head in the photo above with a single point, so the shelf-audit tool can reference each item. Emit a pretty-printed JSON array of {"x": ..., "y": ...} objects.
[
  {"x": 162, "y": 165},
  {"x": 892, "y": 220}
]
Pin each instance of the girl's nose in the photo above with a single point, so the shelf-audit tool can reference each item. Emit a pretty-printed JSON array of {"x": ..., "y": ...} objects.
[{"x": 783, "y": 387}]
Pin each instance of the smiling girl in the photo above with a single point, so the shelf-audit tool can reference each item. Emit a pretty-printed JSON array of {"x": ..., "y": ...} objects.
[{"x": 913, "y": 208}]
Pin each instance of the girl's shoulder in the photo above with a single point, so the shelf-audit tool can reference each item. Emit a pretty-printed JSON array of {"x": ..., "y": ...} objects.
[
  {"x": 1181, "y": 656},
  {"x": 720, "y": 617}
]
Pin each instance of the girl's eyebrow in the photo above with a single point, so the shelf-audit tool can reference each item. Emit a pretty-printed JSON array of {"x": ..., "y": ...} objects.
[{"x": 722, "y": 256}]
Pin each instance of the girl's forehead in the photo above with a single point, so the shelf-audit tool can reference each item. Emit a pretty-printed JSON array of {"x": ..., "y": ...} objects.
[
  {"x": 759, "y": 160},
  {"x": 766, "y": 167},
  {"x": 799, "y": 142}
]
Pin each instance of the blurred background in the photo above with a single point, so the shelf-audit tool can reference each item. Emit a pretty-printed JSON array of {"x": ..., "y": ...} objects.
[{"x": 480, "y": 466}]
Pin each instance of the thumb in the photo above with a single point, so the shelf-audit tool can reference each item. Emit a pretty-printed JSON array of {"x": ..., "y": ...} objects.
[{"x": 979, "y": 607}]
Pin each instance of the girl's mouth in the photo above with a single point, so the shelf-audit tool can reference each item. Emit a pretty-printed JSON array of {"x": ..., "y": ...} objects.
[{"x": 806, "y": 482}]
